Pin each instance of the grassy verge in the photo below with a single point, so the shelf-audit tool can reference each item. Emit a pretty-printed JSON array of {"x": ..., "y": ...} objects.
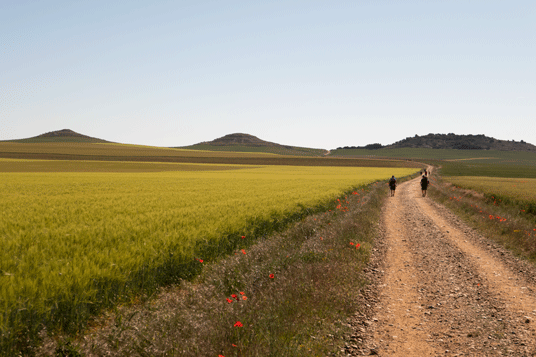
[
  {"x": 287, "y": 295},
  {"x": 502, "y": 220}
]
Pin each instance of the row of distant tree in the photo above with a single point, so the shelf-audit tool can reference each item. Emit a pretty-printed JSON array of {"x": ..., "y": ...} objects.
[
  {"x": 451, "y": 141},
  {"x": 369, "y": 147}
]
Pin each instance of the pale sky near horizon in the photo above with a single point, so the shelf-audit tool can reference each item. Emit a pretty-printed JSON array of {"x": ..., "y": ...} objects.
[{"x": 320, "y": 74}]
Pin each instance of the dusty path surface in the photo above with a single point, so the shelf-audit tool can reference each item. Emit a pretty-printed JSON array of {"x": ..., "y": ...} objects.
[{"x": 441, "y": 289}]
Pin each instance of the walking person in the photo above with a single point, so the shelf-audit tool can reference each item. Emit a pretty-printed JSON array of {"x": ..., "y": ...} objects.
[
  {"x": 424, "y": 185},
  {"x": 392, "y": 185}
]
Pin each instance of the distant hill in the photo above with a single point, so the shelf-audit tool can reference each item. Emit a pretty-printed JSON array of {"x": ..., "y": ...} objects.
[
  {"x": 249, "y": 143},
  {"x": 64, "y": 135},
  {"x": 453, "y": 141},
  {"x": 240, "y": 139}
]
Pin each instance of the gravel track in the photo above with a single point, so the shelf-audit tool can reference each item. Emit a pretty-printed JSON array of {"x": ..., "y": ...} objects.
[{"x": 441, "y": 289}]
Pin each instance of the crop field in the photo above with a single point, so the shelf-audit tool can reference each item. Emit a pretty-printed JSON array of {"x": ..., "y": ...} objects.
[
  {"x": 442, "y": 154},
  {"x": 110, "y": 149},
  {"x": 490, "y": 168},
  {"x": 76, "y": 242},
  {"x": 20, "y": 165},
  {"x": 458, "y": 162},
  {"x": 72, "y": 151},
  {"x": 521, "y": 191}
]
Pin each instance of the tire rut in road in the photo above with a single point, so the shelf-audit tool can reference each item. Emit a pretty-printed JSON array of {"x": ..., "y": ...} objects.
[{"x": 435, "y": 297}]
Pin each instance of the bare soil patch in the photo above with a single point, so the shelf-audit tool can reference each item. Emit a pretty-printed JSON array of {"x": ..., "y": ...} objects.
[{"x": 440, "y": 288}]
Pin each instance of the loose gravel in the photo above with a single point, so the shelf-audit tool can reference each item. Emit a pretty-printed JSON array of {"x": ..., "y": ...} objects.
[{"x": 441, "y": 289}]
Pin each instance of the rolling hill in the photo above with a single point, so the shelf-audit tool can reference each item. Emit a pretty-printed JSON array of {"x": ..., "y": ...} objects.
[
  {"x": 58, "y": 136},
  {"x": 239, "y": 142}
]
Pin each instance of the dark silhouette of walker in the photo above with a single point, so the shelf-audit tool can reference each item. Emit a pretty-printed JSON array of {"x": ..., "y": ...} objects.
[
  {"x": 392, "y": 185},
  {"x": 424, "y": 184}
]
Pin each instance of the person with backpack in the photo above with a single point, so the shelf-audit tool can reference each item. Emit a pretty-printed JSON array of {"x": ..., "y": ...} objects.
[
  {"x": 424, "y": 185},
  {"x": 392, "y": 185}
]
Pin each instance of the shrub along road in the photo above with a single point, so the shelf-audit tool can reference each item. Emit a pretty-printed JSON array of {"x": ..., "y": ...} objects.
[{"x": 440, "y": 288}]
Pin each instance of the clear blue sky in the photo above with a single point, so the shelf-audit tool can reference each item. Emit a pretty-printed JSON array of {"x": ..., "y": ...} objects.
[{"x": 307, "y": 73}]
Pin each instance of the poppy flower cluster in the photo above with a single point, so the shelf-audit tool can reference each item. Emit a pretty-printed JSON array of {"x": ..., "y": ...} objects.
[
  {"x": 357, "y": 245},
  {"x": 341, "y": 208},
  {"x": 500, "y": 219},
  {"x": 237, "y": 298}
]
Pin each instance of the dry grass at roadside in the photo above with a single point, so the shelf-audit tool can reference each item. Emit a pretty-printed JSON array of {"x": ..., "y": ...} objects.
[
  {"x": 292, "y": 295},
  {"x": 503, "y": 221}
]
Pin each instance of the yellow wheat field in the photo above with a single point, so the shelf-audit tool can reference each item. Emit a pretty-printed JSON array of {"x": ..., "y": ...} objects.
[{"x": 72, "y": 242}]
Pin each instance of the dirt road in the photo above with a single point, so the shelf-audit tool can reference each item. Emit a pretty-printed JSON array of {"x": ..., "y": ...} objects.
[{"x": 440, "y": 289}]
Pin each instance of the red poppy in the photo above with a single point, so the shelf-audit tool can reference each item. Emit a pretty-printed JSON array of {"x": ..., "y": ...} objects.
[
  {"x": 243, "y": 251},
  {"x": 200, "y": 260},
  {"x": 238, "y": 324},
  {"x": 271, "y": 276},
  {"x": 221, "y": 356},
  {"x": 233, "y": 296},
  {"x": 351, "y": 243},
  {"x": 357, "y": 245},
  {"x": 243, "y": 237},
  {"x": 229, "y": 301},
  {"x": 244, "y": 297},
  {"x": 242, "y": 293}
]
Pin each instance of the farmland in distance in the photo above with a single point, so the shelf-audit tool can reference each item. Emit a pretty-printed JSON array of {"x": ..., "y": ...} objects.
[{"x": 80, "y": 151}]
